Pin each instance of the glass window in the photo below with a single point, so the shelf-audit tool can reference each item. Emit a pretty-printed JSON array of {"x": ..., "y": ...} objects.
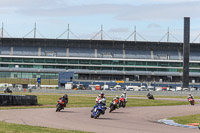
[
  {"x": 129, "y": 69},
  {"x": 106, "y": 62},
  {"x": 73, "y": 61},
  {"x": 152, "y": 63},
  {"x": 163, "y": 64},
  {"x": 140, "y": 69},
  {"x": 130, "y": 62},
  {"x": 28, "y": 60},
  {"x": 194, "y": 65},
  {"x": 60, "y": 61},
  {"x": 84, "y": 62},
  {"x": 7, "y": 59},
  {"x": 152, "y": 69},
  {"x": 106, "y": 68},
  {"x": 175, "y": 64},
  {"x": 49, "y": 66},
  {"x": 39, "y": 61},
  {"x": 50, "y": 60},
  {"x": 118, "y": 68},
  {"x": 17, "y": 60},
  {"x": 96, "y": 62},
  {"x": 141, "y": 63},
  {"x": 116, "y": 62}
]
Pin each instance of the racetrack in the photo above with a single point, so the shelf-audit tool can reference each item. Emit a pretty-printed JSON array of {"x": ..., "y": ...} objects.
[{"x": 127, "y": 120}]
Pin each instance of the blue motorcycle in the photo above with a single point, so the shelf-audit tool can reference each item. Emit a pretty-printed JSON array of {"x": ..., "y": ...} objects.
[{"x": 98, "y": 110}]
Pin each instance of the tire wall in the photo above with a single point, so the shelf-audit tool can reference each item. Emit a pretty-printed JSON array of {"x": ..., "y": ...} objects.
[{"x": 10, "y": 100}]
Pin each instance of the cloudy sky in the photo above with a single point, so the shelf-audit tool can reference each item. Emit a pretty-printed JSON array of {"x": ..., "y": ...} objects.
[{"x": 85, "y": 17}]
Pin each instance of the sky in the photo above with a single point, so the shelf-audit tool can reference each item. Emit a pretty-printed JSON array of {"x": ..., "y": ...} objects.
[{"x": 118, "y": 18}]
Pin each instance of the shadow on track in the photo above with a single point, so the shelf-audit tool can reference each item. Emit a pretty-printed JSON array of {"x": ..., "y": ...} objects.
[
  {"x": 65, "y": 111},
  {"x": 107, "y": 119},
  {"x": 117, "y": 112}
]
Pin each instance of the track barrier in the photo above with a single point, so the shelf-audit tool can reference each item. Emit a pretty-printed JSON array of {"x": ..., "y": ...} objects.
[{"x": 10, "y": 100}]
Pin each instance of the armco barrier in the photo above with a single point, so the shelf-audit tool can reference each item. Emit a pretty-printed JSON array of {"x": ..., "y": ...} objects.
[{"x": 10, "y": 100}]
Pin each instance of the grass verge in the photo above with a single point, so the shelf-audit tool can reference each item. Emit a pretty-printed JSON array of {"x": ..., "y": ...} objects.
[
  {"x": 47, "y": 100},
  {"x": 18, "y": 128},
  {"x": 186, "y": 119}
]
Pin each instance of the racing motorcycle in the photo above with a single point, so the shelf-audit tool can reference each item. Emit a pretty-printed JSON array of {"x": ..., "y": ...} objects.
[
  {"x": 100, "y": 109},
  {"x": 191, "y": 100},
  {"x": 122, "y": 102},
  {"x": 150, "y": 96},
  {"x": 113, "y": 105},
  {"x": 60, "y": 105}
]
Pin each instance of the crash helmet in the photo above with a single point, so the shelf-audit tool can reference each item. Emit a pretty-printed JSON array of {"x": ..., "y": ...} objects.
[
  {"x": 124, "y": 92},
  {"x": 117, "y": 97},
  {"x": 190, "y": 94},
  {"x": 102, "y": 95},
  {"x": 65, "y": 96}
]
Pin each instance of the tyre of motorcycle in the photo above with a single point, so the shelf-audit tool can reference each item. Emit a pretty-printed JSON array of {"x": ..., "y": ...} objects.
[
  {"x": 120, "y": 104},
  {"x": 124, "y": 105},
  {"x": 58, "y": 107},
  {"x": 112, "y": 108},
  {"x": 97, "y": 114},
  {"x": 192, "y": 102},
  {"x": 92, "y": 115}
]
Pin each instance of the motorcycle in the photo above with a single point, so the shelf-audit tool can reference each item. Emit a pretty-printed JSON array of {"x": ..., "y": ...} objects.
[
  {"x": 7, "y": 90},
  {"x": 122, "y": 102},
  {"x": 100, "y": 109},
  {"x": 60, "y": 105},
  {"x": 150, "y": 96},
  {"x": 191, "y": 100},
  {"x": 113, "y": 105}
]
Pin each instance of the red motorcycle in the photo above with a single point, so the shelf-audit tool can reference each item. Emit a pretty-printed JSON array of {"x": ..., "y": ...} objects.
[
  {"x": 113, "y": 105},
  {"x": 60, "y": 105},
  {"x": 191, "y": 100},
  {"x": 122, "y": 102}
]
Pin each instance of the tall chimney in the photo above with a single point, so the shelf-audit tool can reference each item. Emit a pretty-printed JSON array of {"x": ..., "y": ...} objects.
[{"x": 186, "y": 52}]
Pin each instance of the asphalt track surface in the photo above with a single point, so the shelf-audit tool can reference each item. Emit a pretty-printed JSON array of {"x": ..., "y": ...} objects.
[{"x": 123, "y": 120}]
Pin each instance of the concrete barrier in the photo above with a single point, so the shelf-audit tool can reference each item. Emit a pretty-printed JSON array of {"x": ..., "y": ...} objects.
[{"x": 10, "y": 100}]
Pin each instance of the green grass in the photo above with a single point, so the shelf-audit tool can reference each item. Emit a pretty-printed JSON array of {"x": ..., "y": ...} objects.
[
  {"x": 18, "y": 128},
  {"x": 146, "y": 102},
  {"x": 47, "y": 100},
  {"x": 186, "y": 119}
]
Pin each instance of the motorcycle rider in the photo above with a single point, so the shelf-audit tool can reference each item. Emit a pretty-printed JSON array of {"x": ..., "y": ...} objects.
[
  {"x": 100, "y": 99},
  {"x": 64, "y": 99},
  {"x": 124, "y": 96},
  {"x": 116, "y": 99},
  {"x": 149, "y": 95},
  {"x": 7, "y": 89},
  {"x": 190, "y": 96}
]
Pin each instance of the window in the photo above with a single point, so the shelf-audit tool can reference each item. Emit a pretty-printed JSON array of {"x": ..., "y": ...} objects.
[{"x": 15, "y": 75}]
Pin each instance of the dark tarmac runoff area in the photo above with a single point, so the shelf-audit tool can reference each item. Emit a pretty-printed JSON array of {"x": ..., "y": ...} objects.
[{"x": 123, "y": 120}]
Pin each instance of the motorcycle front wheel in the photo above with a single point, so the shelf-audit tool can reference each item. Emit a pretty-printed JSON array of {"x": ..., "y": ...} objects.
[
  {"x": 58, "y": 107},
  {"x": 97, "y": 115}
]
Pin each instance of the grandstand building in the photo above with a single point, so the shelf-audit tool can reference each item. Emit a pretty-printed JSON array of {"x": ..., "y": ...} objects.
[{"x": 96, "y": 59}]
